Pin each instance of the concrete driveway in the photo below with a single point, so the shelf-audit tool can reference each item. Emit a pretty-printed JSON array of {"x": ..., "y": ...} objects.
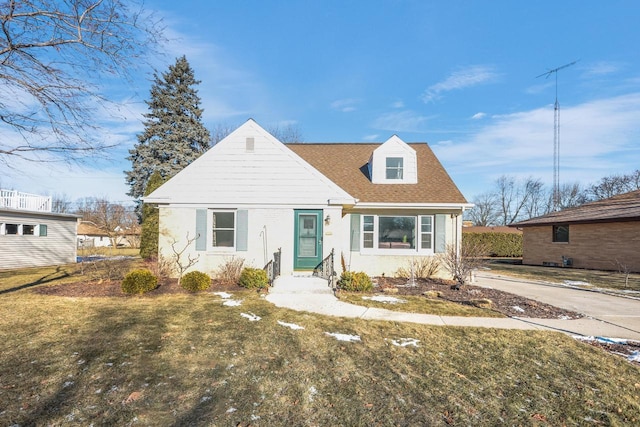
[{"x": 606, "y": 315}]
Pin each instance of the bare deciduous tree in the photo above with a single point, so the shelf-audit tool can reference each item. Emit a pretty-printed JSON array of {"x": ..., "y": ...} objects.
[
  {"x": 485, "y": 211},
  {"x": 182, "y": 264},
  {"x": 54, "y": 55},
  {"x": 461, "y": 263},
  {"x": 114, "y": 219},
  {"x": 613, "y": 185}
]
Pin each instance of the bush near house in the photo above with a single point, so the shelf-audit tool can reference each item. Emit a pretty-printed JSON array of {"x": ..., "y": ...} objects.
[
  {"x": 139, "y": 282},
  {"x": 499, "y": 244},
  {"x": 196, "y": 281},
  {"x": 355, "y": 282},
  {"x": 254, "y": 278}
]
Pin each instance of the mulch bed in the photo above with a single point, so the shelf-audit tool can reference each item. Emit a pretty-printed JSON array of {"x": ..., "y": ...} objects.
[{"x": 503, "y": 302}]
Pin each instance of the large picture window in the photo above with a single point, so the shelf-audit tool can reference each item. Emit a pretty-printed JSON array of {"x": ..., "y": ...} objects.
[
  {"x": 223, "y": 229},
  {"x": 397, "y": 233},
  {"x": 561, "y": 233}
]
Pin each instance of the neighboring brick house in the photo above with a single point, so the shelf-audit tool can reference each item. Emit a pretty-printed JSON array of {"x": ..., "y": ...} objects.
[{"x": 602, "y": 235}]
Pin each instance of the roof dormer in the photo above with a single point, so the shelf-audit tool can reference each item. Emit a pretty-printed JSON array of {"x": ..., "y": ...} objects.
[{"x": 393, "y": 162}]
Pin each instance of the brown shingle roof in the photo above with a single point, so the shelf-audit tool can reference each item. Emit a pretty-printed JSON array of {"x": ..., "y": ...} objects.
[
  {"x": 623, "y": 207},
  {"x": 346, "y": 165}
]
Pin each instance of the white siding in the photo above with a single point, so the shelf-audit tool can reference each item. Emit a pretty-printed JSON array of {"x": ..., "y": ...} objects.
[
  {"x": 230, "y": 174},
  {"x": 57, "y": 247},
  {"x": 394, "y": 147},
  {"x": 268, "y": 230}
]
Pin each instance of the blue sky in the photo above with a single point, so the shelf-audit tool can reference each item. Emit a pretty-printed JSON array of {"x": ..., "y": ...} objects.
[{"x": 460, "y": 75}]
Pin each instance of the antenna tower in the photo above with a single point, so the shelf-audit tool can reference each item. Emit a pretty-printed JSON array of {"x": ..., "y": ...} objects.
[{"x": 556, "y": 137}]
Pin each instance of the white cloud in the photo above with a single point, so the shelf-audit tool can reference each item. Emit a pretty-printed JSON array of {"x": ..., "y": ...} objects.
[
  {"x": 601, "y": 68},
  {"x": 372, "y": 137},
  {"x": 460, "y": 79},
  {"x": 345, "y": 105},
  {"x": 597, "y": 138},
  {"x": 397, "y": 104},
  {"x": 402, "y": 121},
  {"x": 478, "y": 116}
]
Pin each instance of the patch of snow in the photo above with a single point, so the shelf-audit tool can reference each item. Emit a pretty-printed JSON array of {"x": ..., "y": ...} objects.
[
  {"x": 634, "y": 357},
  {"x": 518, "y": 309},
  {"x": 232, "y": 303},
  {"x": 564, "y": 317},
  {"x": 231, "y": 410},
  {"x": 67, "y": 384},
  {"x": 252, "y": 317},
  {"x": 385, "y": 299},
  {"x": 255, "y": 417},
  {"x": 576, "y": 283},
  {"x": 290, "y": 325},
  {"x": 205, "y": 399},
  {"x": 312, "y": 393},
  {"x": 343, "y": 337},
  {"x": 604, "y": 340},
  {"x": 403, "y": 342},
  {"x": 223, "y": 295}
]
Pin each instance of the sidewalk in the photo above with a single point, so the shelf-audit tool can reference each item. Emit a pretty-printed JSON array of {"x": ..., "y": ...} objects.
[{"x": 304, "y": 293}]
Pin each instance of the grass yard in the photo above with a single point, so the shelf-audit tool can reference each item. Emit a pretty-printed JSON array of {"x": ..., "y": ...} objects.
[
  {"x": 417, "y": 304},
  {"x": 190, "y": 360},
  {"x": 594, "y": 278}
]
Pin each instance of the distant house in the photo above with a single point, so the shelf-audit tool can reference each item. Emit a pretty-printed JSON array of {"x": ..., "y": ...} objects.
[
  {"x": 603, "y": 235},
  {"x": 31, "y": 235},
  {"x": 377, "y": 206},
  {"x": 490, "y": 229},
  {"x": 91, "y": 236}
]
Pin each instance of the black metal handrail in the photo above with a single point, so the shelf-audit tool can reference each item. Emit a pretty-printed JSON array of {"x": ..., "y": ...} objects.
[
  {"x": 273, "y": 266},
  {"x": 325, "y": 269}
]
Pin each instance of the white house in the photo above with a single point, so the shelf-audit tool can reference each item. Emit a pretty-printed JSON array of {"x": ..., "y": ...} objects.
[
  {"x": 376, "y": 205},
  {"x": 31, "y": 235}
]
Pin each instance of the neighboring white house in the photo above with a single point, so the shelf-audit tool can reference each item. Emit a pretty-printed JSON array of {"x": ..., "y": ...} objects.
[
  {"x": 376, "y": 205},
  {"x": 91, "y": 236},
  {"x": 31, "y": 235}
]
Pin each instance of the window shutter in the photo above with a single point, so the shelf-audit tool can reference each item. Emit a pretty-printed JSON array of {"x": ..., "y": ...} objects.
[
  {"x": 242, "y": 230},
  {"x": 42, "y": 230},
  {"x": 355, "y": 232},
  {"x": 441, "y": 234},
  {"x": 201, "y": 229}
]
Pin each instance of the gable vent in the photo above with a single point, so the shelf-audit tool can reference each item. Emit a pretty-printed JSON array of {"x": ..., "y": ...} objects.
[{"x": 250, "y": 144}]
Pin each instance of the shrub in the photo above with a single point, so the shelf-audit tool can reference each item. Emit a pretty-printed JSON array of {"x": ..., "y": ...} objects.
[
  {"x": 254, "y": 278},
  {"x": 139, "y": 282},
  {"x": 196, "y": 281},
  {"x": 498, "y": 244},
  {"x": 423, "y": 268},
  {"x": 229, "y": 272},
  {"x": 355, "y": 282}
]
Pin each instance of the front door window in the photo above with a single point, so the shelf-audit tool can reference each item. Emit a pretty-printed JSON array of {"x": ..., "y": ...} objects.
[{"x": 307, "y": 236}]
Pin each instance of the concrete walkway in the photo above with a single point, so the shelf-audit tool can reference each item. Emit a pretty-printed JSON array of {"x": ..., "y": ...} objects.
[{"x": 304, "y": 293}]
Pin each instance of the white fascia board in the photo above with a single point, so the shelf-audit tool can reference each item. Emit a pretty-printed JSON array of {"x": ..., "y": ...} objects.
[
  {"x": 241, "y": 206},
  {"x": 342, "y": 202},
  {"x": 374, "y": 205}
]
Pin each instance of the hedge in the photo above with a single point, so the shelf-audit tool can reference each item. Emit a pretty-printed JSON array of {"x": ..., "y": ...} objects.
[{"x": 500, "y": 244}]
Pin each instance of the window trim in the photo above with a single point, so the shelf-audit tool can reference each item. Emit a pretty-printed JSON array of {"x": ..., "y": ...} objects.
[
  {"x": 554, "y": 233},
  {"x": 399, "y": 169},
  {"x": 418, "y": 235},
  {"x": 210, "y": 230}
]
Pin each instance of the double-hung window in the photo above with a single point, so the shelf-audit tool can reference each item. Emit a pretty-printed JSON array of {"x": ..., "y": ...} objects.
[
  {"x": 394, "y": 167},
  {"x": 397, "y": 233},
  {"x": 223, "y": 229}
]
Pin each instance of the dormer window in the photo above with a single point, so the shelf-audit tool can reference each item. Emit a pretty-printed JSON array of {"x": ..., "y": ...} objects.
[
  {"x": 394, "y": 167},
  {"x": 393, "y": 162}
]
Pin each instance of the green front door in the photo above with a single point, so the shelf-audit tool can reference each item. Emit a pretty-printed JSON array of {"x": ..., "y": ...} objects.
[{"x": 307, "y": 239}]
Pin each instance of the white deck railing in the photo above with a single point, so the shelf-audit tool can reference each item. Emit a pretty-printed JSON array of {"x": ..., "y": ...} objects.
[{"x": 24, "y": 201}]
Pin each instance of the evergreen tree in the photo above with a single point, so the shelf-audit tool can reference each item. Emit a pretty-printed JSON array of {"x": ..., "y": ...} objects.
[
  {"x": 150, "y": 221},
  {"x": 174, "y": 135}
]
